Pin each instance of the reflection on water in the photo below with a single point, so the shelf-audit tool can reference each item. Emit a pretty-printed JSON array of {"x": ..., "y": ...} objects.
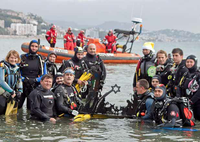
[{"x": 21, "y": 128}]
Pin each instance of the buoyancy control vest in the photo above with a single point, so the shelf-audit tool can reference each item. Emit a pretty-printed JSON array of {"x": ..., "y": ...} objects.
[{"x": 10, "y": 78}]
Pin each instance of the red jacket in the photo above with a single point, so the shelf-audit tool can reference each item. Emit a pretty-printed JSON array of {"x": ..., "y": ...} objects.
[
  {"x": 69, "y": 37},
  {"x": 81, "y": 37},
  {"x": 51, "y": 36},
  {"x": 111, "y": 38}
]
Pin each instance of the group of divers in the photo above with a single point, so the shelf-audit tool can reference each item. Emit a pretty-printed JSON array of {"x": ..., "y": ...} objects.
[{"x": 166, "y": 90}]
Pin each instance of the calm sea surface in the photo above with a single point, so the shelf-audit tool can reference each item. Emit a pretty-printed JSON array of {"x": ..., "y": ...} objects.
[{"x": 21, "y": 128}]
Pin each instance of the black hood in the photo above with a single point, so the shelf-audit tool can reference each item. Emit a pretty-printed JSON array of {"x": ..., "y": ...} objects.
[
  {"x": 194, "y": 68},
  {"x": 50, "y": 54},
  {"x": 77, "y": 50},
  {"x": 30, "y": 51},
  {"x": 162, "y": 87}
]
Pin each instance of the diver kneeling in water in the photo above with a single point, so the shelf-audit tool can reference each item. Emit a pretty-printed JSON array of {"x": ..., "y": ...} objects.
[
  {"x": 192, "y": 85},
  {"x": 42, "y": 101},
  {"x": 67, "y": 97},
  {"x": 170, "y": 112}
]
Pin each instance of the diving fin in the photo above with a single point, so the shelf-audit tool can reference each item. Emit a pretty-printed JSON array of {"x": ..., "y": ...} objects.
[{"x": 11, "y": 108}]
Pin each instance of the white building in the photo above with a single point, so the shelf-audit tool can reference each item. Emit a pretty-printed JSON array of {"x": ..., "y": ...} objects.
[
  {"x": 2, "y": 23},
  {"x": 24, "y": 29},
  {"x": 94, "y": 33}
]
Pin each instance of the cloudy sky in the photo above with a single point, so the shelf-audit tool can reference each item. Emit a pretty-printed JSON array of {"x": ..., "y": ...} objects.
[{"x": 156, "y": 14}]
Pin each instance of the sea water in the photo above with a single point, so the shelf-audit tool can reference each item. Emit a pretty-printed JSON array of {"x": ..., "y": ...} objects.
[{"x": 21, "y": 128}]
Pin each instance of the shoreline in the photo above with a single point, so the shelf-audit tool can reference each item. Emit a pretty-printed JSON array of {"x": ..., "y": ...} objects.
[{"x": 17, "y": 36}]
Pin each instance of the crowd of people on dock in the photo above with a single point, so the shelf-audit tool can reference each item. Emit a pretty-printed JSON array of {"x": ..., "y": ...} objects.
[{"x": 166, "y": 90}]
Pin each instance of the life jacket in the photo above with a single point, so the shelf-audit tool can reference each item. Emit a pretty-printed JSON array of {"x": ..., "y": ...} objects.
[
  {"x": 51, "y": 36},
  {"x": 144, "y": 67}
]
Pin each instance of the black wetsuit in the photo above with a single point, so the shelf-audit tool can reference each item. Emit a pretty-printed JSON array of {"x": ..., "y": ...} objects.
[
  {"x": 76, "y": 64},
  {"x": 164, "y": 72},
  {"x": 31, "y": 68},
  {"x": 194, "y": 96},
  {"x": 97, "y": 68},
  {"x": 67, "y": 99},
  {"x": 165, "y": 112},
  {"x": 42, "y": 104},
  {"x": 144, "y": 105},
  {"x": 176, "y": 82},
  {"x": 142, "y": 68},
  {"x": 51, "y": 68}
]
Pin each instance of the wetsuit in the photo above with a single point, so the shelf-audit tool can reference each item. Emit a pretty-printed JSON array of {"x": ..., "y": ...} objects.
[
  {"x": 176, "y": 81},
  {"x": 32, "y": 68},
  {"x": 98, "y": 70},
  {"x": 143, "y": 66},
  {"x": 164, "y": 71},
  {"x": 193, "y": 92},
  {"x": 166, "y": 112},
  {"x": 144, "y": 105},
  {"x": 76, "y": 64},
  {"x": 10, "y": 83},
  {"x": 67, "y": 99},
  {"x": 42, "y": 104}
]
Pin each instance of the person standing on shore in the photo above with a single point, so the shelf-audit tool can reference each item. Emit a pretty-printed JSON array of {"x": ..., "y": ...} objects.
[{"x": 51, "y": 36}]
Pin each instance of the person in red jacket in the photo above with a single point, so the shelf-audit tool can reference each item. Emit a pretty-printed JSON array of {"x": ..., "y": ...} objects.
[
  {"x": 69, "y": 40},
  {"x": 51, "y": 36},
  {"x": 111, "y": 38},
  {"x": 80, "y": 38}
]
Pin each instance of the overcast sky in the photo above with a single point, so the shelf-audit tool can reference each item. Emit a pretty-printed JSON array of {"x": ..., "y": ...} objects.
[{"x": 156, "y": 14}]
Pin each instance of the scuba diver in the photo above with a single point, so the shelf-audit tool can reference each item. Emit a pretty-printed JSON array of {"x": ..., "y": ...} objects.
[
  {"x": 42, "y": 101},
  {"x": 77, "y": 64},
  {"x": 165, "y": 112},
  {"x": 170, "y": 112},
  {"x": 58, "y": 80},
  {"x": 111, "y": 39},
  {"x": 163, "y": 66},
  {"x": 67, "y": 97},
  {"x": 51, "y": 36},
  {"x": 156, "y": 79},
  {"x": 146, "y": 67},
  {"x": 69, "y": 40},
  {"x": 144, "y": 100},
  {"x": 10, "y": 80},
  {"x": 50, "y": 63},
  {"x": 32, "y": 68},
  {"x": 94, "y": 63},
  {"x": 80, "y": 39},
  {"x": 178, "y": 74},
  {"x": 192, "y": 84}
]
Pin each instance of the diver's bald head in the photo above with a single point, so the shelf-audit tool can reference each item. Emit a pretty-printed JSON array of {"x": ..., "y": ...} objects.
[{"x": 91, "y": 49}]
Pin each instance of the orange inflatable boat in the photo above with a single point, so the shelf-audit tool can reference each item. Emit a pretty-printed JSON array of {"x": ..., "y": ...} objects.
[{"x": 117, "y": 58}]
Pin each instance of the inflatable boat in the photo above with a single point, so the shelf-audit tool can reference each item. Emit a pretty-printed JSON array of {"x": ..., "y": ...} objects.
[{"x": 62, "y": 54}]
